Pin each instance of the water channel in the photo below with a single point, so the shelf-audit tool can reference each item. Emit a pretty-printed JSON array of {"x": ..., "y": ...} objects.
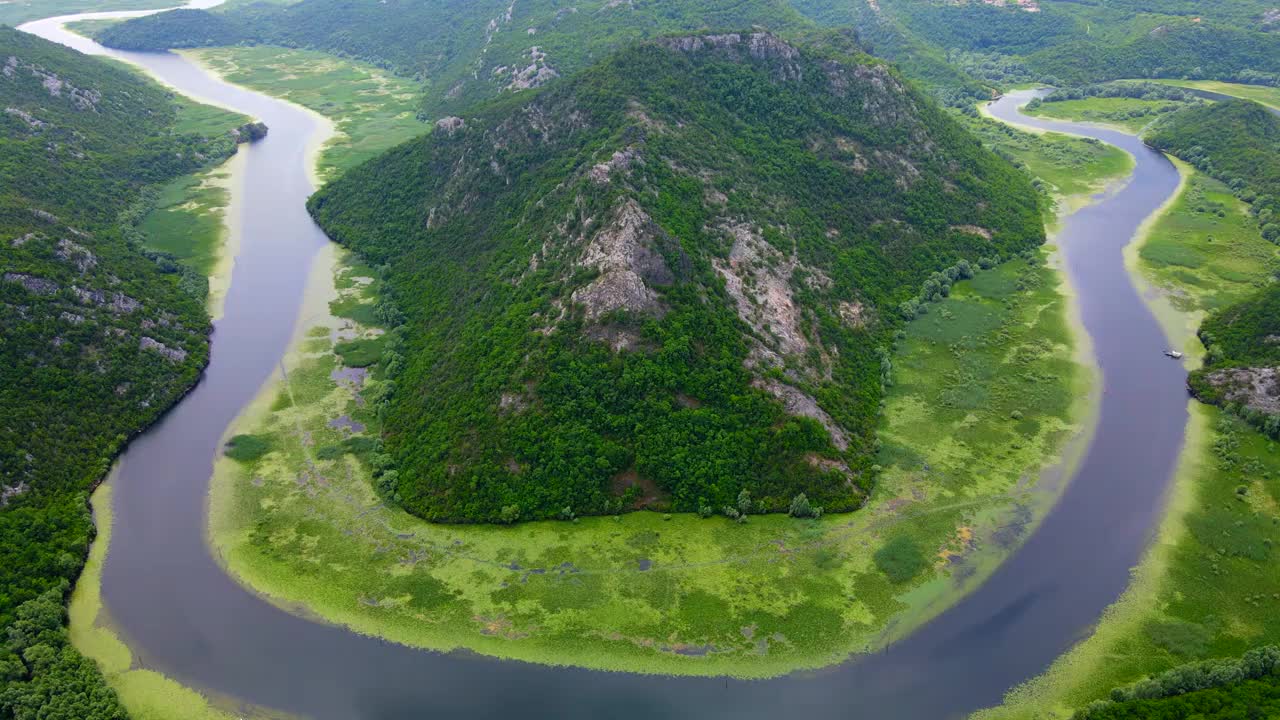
[{"x": 183, "y": 616}]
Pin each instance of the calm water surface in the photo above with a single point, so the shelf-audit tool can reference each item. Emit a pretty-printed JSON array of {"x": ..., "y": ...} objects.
[{"x": 185, "y": 617}]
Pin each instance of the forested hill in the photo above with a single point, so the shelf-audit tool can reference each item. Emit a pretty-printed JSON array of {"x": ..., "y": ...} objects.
[
  {"x": 677, "y": 271},
  {"x": 96, "y": 339},
  {"x": 465, "y": 49},
  {"x": 1066, "y": 41}
]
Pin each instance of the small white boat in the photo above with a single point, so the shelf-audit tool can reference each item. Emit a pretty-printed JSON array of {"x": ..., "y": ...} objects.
[{"x": 1173, "y": 354}]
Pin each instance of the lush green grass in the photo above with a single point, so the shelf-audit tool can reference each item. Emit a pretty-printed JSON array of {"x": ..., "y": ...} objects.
[
  {"x": 1205, "y": 252},
  {"x": 1129, "y": 113},
  {"x": 1068, "y": 168},
  {"x": 1269, "y": 96},
  {"x": 985, "y": 395},
  {"x": 204, "y": 120},
  {"x": 188, "y": 221},
  {"x": 373, "y": 109},
  {"x": 1207, "y": 588}
]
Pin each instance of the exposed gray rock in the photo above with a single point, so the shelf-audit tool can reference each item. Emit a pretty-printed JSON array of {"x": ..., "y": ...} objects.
[
  {"x": 33, "y": 283},
  {"x": 760, "y": 45},
  {"x": 77, "y": 255},
  {"x": 7, "y": 493},
  {"x": 450, "y": 125},
  {"x": 625, "y": 254},
  {"x": 1257, "y": 388},
  {"x": 72, "y": 318},
  {"x": 173, "y": 354},
  {"x": 536, "y": 74},
  {"x": 620, "y": 161},
  {"x": 26, "y": 117},
  {"x": 758, "y": 278},
  {"x": 798, "y": 403}
]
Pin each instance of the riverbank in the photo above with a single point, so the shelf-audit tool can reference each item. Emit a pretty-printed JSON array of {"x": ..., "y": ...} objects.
[
  {"x": 643, "y": 592},
  {"x": 145, "y": 693},
  {"x": 368, "y": 110},
  {"x": 1206, "y": 587}
]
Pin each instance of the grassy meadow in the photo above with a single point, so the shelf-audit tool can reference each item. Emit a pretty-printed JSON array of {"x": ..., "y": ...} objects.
[
  {"x": 1205, "y": 252},
  {"x": 1269, "y": 96},
  {"x": 1069, "y": 169},
  {"x": 987, "y": 395},
  {"x": 1130, "y": 114},
  {"x": 373, "y": 110},
  {"x": 16, "y": 12}
]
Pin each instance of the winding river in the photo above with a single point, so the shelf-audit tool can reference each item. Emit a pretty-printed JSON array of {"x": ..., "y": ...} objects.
[{"x": 183, "y": 616}]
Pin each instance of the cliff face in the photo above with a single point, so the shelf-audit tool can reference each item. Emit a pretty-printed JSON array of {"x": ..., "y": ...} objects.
[{"x": 675, "y": 270}]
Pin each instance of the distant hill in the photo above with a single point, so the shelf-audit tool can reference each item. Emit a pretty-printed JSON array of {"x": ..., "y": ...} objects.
[
  {"x": 1070, "y": 41},
  {"x": 466, "y": 49},
  {"x": 97, "y": 338},
  {"x": 676, "y": 271}
]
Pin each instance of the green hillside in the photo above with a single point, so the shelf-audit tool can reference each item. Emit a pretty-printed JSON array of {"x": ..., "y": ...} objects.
[
  {"x": 669, "y": 277},
  {"x": 466, "y": 50},
  {"x": 1074, "y": 41},
  {"x": 98, "y": 336}
]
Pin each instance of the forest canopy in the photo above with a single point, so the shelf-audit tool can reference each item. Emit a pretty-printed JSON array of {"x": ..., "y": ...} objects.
[{"x": 673, "y": 275}]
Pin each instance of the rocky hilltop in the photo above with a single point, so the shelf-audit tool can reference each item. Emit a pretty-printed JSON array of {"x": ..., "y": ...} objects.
[{"x": 669, "y": 279}]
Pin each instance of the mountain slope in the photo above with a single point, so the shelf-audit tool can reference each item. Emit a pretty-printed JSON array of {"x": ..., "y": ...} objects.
[
  {"x": 674, "y": 271},
  {"x": 96, "y": 338},
  {"x": 466, "y": 50},
  {"x": 1069, "y": 41}
]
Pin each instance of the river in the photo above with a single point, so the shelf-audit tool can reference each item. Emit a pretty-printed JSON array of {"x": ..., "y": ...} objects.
[{"x": 183, "y": 616}]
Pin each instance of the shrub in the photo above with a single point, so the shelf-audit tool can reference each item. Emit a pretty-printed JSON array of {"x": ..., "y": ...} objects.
[
  {"x": 247, "y": 448},
  {"x": 900, "y": 559},
  {"x": 800, "y": 508}
]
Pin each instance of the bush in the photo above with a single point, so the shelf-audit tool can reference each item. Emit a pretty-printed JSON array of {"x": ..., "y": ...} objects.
[
  {"x": 900, "y": 559},
  {"x": 247, "y": 448},
  {"x": 800, "y": 508}
]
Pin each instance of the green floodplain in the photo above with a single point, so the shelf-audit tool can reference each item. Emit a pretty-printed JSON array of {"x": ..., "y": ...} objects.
[
  {"x": 987, "y": 388},
  {"x": 294, "y": 516},
  {"x": 990, "y": 387},
  {"x": 1209, "y": 586}
]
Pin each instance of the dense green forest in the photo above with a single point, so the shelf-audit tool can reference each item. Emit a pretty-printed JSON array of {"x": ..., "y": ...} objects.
[
  {"x": 98, "y": 336},
  {"x": 1232, "y": 689},
  {"x": 1069, "y": 41},
  {"x": 465, "y": 49},
  {"x": 675, "y": 273}
]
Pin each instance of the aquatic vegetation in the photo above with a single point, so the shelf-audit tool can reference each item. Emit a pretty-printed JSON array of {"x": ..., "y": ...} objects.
[
  {"x": 372, "y": 109},
  {"x": 652, "y": 592}
]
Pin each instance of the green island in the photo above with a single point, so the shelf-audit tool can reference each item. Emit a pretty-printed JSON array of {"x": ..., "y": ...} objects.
[
  {"x": 1205, "y": 592},
  {"x": 654, "y": 592}
]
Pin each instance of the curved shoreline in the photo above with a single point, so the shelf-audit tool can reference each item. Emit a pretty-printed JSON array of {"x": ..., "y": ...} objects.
[{"x": 943, "y": 668}]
